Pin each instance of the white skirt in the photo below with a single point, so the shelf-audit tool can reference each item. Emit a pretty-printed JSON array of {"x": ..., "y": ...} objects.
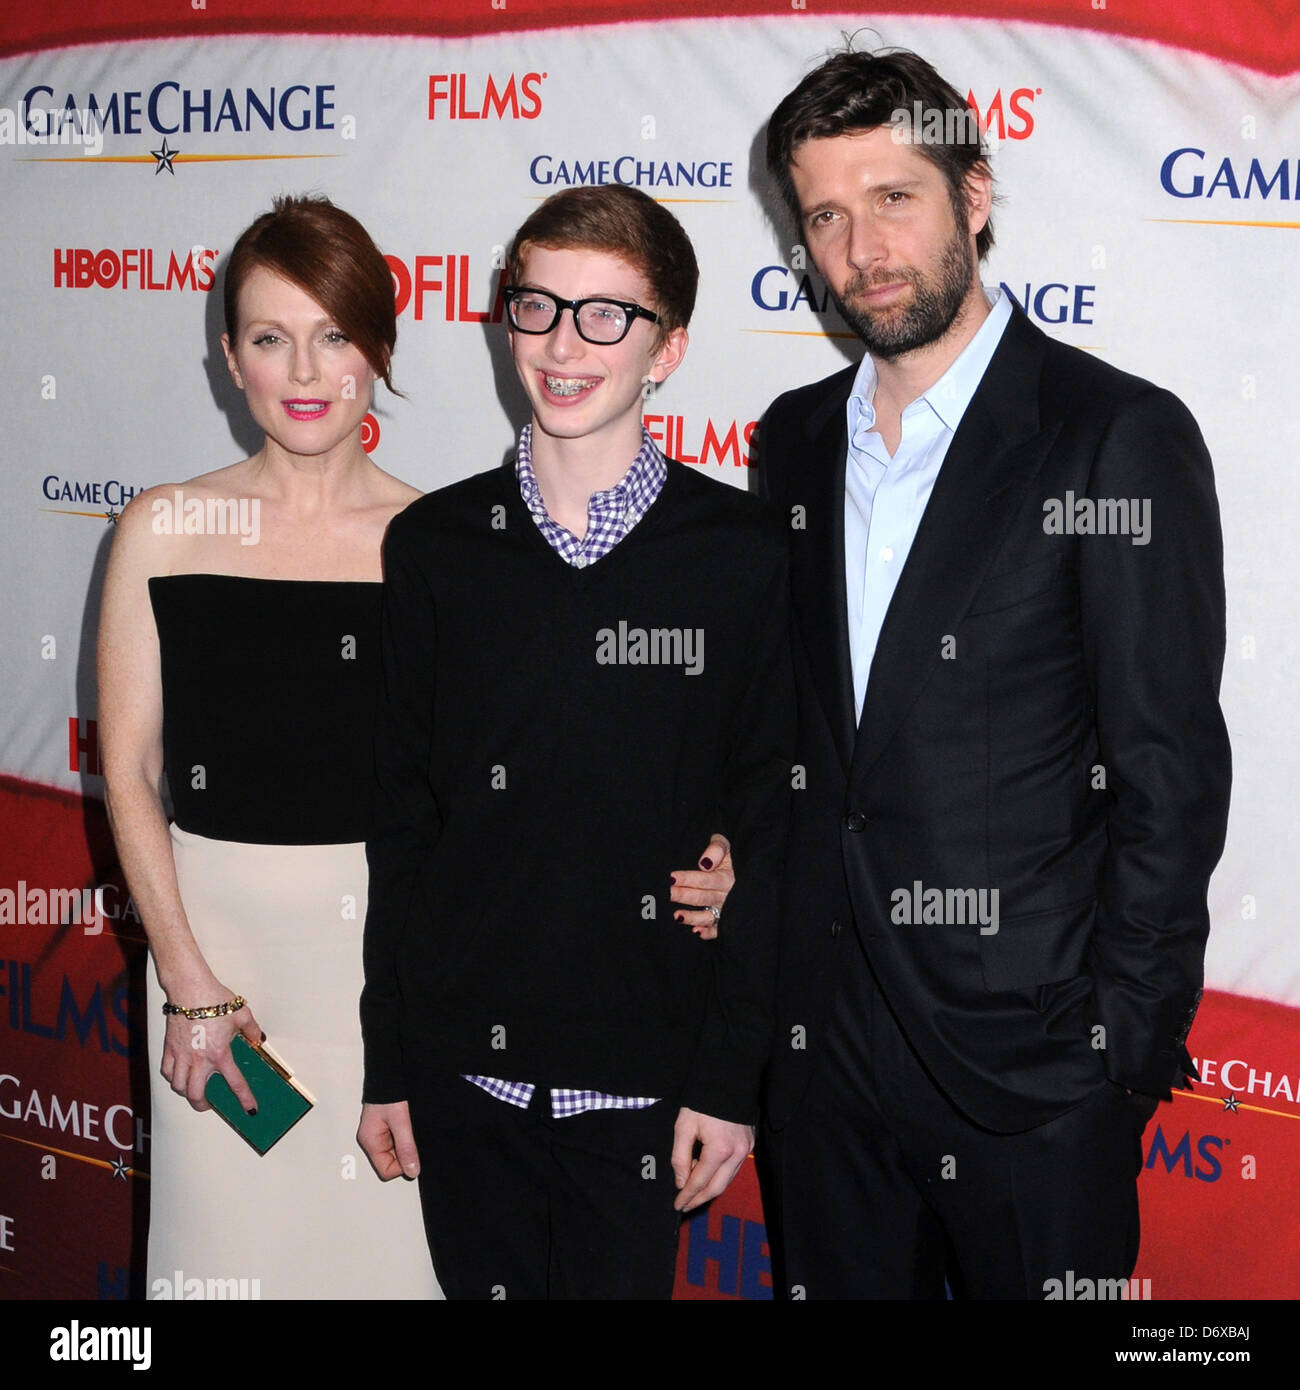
[{"x": 281, "y": 925}]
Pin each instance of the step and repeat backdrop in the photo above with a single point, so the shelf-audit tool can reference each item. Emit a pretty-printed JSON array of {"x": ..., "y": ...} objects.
[{"x": 1148, "y": 167}]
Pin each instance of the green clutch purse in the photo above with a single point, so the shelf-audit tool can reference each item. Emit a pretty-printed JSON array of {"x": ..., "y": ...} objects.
[{"x": 281, "y": 1101}]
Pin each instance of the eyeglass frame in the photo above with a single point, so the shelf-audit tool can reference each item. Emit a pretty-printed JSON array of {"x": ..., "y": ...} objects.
[{"x": 633, "y": 311}]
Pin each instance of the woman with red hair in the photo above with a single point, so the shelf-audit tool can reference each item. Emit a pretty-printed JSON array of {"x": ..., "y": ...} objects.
[{"x": 239, "y": 652}]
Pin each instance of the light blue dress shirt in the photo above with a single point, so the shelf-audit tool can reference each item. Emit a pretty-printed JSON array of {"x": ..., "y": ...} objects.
[{"x": 885, "y": 498}]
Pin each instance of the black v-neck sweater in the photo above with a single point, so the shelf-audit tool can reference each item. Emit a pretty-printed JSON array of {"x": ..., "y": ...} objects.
[{"x": 552, "y": 743}]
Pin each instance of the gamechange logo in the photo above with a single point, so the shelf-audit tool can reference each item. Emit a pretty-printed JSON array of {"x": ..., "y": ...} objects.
[
  {"x": 797, "y": 290},
  {"x": 566, "y": 170},
  {"x": 1233, "y": 1088},
  {"x": 174, "y": 124},
  {"x": 100, "y": 498},
  {"x": 1221, "y": 190}
]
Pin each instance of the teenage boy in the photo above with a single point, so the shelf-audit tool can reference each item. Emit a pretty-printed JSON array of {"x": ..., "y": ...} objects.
[{"x": 584, "y": 679}]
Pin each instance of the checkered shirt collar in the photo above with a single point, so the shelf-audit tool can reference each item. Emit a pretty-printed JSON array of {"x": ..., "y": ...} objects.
[{"x": 610, "y": 514}]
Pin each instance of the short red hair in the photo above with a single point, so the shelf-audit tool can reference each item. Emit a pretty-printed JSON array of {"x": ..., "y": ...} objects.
[{"x": 330, "y": 256}]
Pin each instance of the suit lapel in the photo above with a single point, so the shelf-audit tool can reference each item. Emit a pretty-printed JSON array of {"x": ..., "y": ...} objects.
[
  {"x": 998, "y": 448},
  {"x": 817, "y": 571}
]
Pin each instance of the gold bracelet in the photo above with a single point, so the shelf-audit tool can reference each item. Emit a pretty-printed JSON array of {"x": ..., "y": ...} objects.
[{"x": 231, "y": 1006}]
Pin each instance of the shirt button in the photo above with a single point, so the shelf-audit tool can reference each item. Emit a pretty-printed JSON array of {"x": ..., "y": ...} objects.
[
  {"x": 580, "y": 562},
  {"x": 887, "y": 554},
  {"x": 855, "y": 821}
]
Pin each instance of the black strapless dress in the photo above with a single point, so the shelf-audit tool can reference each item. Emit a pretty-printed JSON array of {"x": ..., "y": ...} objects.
[{"x": 269, "y": 688}]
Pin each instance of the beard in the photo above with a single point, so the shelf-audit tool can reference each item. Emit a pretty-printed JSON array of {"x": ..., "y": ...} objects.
[{"x": 936, "y": 303}]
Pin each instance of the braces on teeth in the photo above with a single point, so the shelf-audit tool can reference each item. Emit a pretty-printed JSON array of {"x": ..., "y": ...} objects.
[{"x": 568, "y": 386}]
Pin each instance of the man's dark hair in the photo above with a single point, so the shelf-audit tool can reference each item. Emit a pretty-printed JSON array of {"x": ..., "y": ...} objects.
[{"x": 854, "y": 92}]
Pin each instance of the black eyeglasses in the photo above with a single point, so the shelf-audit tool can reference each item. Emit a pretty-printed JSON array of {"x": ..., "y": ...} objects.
[{"x": 601, "y": 321}]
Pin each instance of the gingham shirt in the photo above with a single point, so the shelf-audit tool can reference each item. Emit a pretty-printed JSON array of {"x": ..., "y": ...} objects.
[{"x": 610, "y": 516}]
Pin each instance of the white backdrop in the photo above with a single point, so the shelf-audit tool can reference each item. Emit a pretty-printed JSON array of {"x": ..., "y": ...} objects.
[{"x": 138, "y": 382}]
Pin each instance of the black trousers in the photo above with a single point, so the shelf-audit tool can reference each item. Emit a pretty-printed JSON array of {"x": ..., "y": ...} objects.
[
  {"x": 520, "y": 1205},
  {"x": 880, "y": 1188}
]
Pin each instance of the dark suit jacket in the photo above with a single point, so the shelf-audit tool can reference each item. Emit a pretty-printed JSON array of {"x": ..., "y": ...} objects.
[{"x": 1042, "y": 719}]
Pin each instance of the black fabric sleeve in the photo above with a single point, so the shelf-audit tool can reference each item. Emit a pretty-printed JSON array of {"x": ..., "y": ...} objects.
[
  {"x": 753, "y": 813},
  {"x": 406, "y": 814},
  {"x": 1153, "y": 622}
]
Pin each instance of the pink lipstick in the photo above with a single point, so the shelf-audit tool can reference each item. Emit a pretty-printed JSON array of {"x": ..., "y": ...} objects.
[{"x": 305, "y": 410}]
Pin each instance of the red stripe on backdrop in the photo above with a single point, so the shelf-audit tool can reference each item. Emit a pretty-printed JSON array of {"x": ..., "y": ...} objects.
[
  {"x": 46, "y": 828},
  {"x": 1218, "y": 1216},
  {"x": 1260, "y": 34},
  {"x": 1218, "y": 1184},
  {"x": 73, "y": 1083},
  {"x": 1216, "y": 1190}
]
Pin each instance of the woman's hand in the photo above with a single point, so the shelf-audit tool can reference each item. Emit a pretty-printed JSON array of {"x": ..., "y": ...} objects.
[
  {"x": 704, "y": 888},
  {"x": 195, "y": 1048}
]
